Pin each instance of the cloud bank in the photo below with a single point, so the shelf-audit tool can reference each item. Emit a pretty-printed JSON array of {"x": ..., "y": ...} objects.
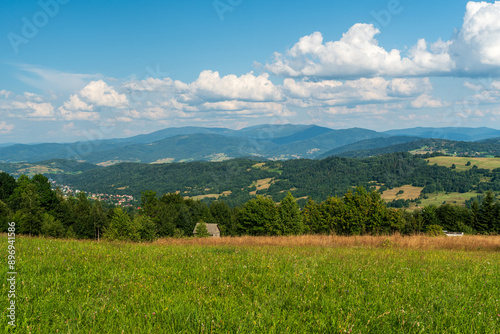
[{"x": 474, "y": 51}]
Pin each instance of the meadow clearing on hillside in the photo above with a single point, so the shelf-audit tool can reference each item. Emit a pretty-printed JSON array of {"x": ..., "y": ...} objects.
[
  {"x": 304, "y": 284},
  {"x": 461, "y": 162},
  {"x": 409, "y": 192}
]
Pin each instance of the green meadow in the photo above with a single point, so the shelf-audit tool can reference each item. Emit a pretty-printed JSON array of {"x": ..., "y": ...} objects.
[
  {"x": 461, "y": 162},
  {"x": 67, "y": 286}
]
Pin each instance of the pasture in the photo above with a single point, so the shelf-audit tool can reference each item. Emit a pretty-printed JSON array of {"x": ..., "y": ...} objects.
[
  {"x": 461, "y": 162},
  {"x": 305, "y": 284},
  {"x": 408, "y": 192}
]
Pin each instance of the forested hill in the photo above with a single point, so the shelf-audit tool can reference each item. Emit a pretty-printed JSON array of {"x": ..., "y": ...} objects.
[
  {"x": 459, "y": 148},
  {"x": 238, "y": 180},
  {"x": 49, "y": 168},
  {"x": 369, "y": 144},
  {"x": 449, "y": 133}
]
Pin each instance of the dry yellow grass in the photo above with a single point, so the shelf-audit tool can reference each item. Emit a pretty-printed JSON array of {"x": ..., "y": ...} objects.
[
  {"x": 410, "y": 192},
  {"x": 216, "y": 196},
  {"x": 163, "y": 161},
  {"x": 262, "y": 184},
  {"x": 420, "y": 242}
]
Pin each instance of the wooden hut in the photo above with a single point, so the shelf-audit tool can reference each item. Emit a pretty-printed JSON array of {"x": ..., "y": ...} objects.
[{"x": 213, "y": 229}]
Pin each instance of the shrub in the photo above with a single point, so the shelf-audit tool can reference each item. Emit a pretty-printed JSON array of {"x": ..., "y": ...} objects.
[
  {"x": 147, "y": 228},
  {"x": 52, "y": 227},
  {"x": 122, "y": 227},
  {"x": 435, "y": 230},
  {"x": 178, "y": 233}
]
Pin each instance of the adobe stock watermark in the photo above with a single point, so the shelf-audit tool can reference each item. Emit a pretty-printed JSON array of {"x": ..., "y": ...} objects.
[
  {"x": 384, "y": 16},
  {"x": 11, "y": 274},
  {"x": 223, "y": 6},
  {"x": 31, "y": 26}
]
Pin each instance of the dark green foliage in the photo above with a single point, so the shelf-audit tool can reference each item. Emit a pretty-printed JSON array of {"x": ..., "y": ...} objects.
[
  {"x": 488, "y": 218},
  {"x": 312, "y": 216},
  {"x": 7, "y": 186},
  {"x": 290, "y": 221},
  {"x": 52, "y": 227},
  {"x": 356, "y": 213},
  {"x": 258, "y": 216},
  {"x": 317, "y": 179},
  {"x": 122, "y": 228},
  {"x": 172, "y": 212},
  {"x": 461, "y": 148},
  {"x": 368, "y": 144},
  {"x": 435, "y": 230},
  {"x": 37, "y": 209},
  {"x": 147, "y": 228},
  {"x": 453, "y": 217},
  {"x": 222, "y": 215},
  {"x": 5, "y": 216}
]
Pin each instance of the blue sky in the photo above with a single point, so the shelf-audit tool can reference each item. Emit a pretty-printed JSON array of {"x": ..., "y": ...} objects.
[{"x": 77, "y": 70}]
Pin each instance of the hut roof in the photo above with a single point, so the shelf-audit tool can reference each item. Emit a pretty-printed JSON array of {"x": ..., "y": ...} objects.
[{"x": 212, "y": 228}]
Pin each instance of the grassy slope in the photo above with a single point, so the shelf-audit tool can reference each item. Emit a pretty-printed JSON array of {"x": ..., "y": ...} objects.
[
  {"x": 460, "y": 162},
  {"x": 230, "y": 285}
]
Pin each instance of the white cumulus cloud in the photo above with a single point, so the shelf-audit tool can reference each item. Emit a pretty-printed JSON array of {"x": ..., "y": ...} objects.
[
  {"x": 71, "y": 115},
  {"x": 248, "y": 87},
  {"x": 5, "y": 128},
  {"x": 41, "y": 110},
  {"x": 356, "y": 54},
  {"x": 474, "y": 51},
  {"x": 75, "y": 103},
  {"x": 427, "y": 101},
  {"x": 100, "y": 94}
]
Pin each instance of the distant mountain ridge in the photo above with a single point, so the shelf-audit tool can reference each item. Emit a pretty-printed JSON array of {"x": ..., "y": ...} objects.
[
  {"x": 449, "y": 147},
  {"x": 450, "y": 133},
  {"x": 273, "y": 142},
  {"x": 369, "y": 144}
]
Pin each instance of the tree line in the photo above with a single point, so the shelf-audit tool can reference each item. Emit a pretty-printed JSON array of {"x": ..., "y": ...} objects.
[{"x": 39, "y": 210}]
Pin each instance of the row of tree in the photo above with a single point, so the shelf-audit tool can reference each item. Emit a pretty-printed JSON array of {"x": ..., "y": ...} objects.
[{"x": 39, "y": 210}]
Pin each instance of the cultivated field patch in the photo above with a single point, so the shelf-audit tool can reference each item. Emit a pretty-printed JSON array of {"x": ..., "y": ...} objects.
[
  {"x": 216, "y": 196},
  {"x": 408, "y": 192},
  {"x": 261, "y": 185}
]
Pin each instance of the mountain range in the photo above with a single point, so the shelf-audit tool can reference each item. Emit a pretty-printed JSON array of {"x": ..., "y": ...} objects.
[{"x": 268, "y": 142}]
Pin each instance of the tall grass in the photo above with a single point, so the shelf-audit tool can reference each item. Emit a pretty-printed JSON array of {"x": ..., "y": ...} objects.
[
  {"x": 420, "y": 242},
  {"x": 258, "y": 285}
]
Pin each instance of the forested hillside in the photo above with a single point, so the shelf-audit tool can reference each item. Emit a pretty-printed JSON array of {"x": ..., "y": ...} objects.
[
  {"x": 368, "y": 144},
  {"x": 240, "y": 180},
  {"x": 448, "y": 133},
  {"x": 48, "y": 167},
  {"x": 459, "y": 148}
]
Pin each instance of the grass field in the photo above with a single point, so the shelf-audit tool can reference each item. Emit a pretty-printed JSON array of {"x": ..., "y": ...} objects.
[
  {"x": 445, "y": 198},
  {"x": 308, "y": 284},
  {"x": 261, "y": 185},
  {"x": 460, "y": 162},
  {"x": 410, "y": 192}
]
